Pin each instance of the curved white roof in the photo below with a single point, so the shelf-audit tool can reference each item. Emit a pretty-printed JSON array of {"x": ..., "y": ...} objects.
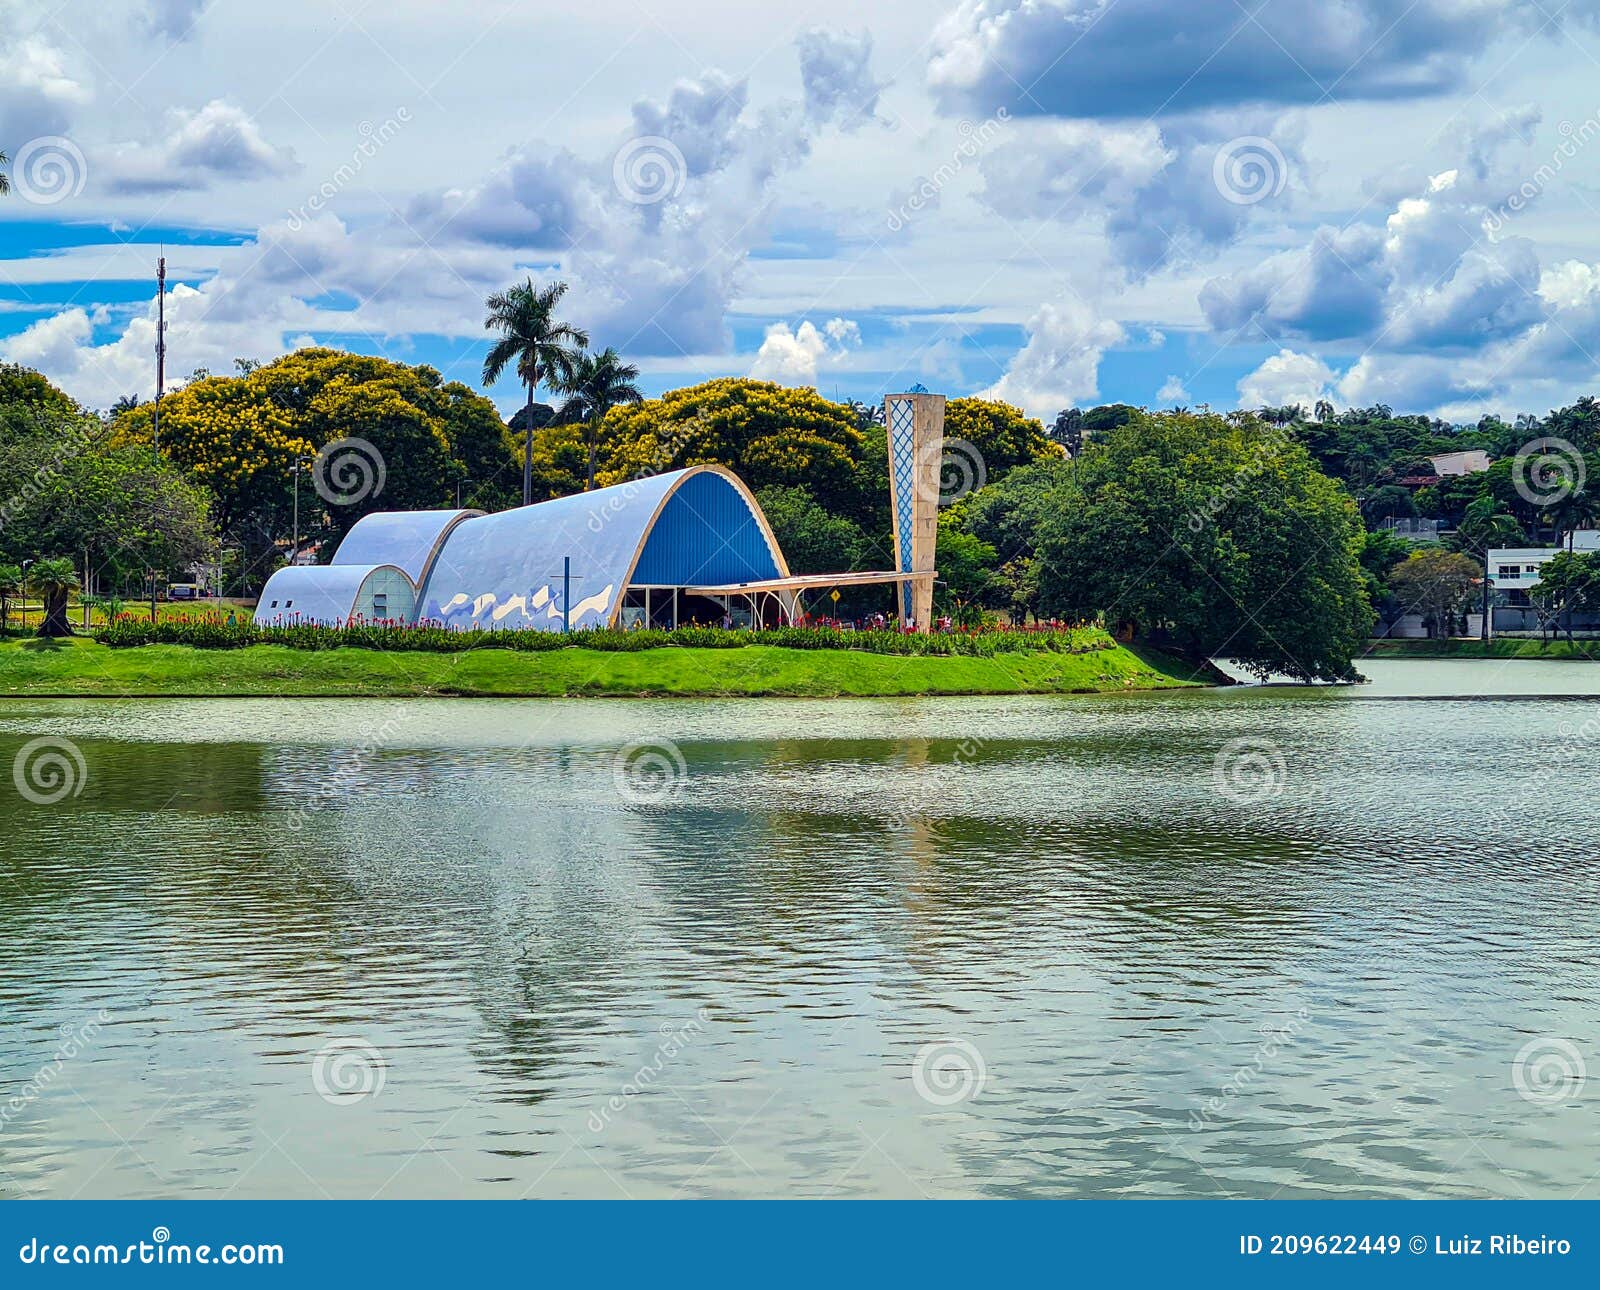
[
  {"x": 325, "y": 594},
  {"x": 699, "y": 526},
  {"x": 409, "y": 540}
]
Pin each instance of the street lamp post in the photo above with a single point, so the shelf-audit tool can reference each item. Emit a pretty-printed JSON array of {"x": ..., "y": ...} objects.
[
  {"x": 25, "y": 565},
  {"x": 294, "y": 551},
  {"x": 459, "y": 482}
]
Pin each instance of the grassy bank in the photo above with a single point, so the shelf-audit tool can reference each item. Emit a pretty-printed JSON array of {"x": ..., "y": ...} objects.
[
  {"x": 86, "y": 668},
  {"x": 1504, "y": 647}
]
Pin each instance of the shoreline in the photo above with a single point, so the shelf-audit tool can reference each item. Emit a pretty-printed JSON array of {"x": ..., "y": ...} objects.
[
  {"x": 78, "y": 668},
  {"x": 1555, "y": 651}
]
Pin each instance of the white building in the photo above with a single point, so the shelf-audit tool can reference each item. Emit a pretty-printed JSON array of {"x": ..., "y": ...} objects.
[
  {"x": 1447, "y": 464},
  {"x": 1514, "y": 572}
]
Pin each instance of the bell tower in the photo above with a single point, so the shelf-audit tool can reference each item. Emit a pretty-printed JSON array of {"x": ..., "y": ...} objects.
[{"x": 914, "y": 423}]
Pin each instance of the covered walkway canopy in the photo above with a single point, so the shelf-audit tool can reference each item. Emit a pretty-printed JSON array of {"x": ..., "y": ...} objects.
[{"x": 789, "y": 589}]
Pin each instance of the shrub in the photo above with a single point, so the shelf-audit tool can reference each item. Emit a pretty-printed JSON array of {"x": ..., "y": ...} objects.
[{"x": 213, "y": 632}]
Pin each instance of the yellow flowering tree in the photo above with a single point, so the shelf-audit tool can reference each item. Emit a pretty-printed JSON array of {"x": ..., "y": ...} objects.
[
  {"x": 372, "y": 434},
  {"x": 770, "y": 435}
]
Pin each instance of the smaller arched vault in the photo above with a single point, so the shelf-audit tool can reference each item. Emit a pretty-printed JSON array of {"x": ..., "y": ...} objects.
[{"x": 334, "y": 595}]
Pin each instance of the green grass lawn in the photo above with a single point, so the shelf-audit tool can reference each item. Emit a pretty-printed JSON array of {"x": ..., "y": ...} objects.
[
  {"x": 86, "y": 668},
  {"x": 1503, "y": 647}
]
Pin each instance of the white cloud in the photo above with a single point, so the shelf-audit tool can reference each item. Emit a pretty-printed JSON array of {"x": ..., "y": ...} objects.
[
  {"x": 836, "y": 76},
  {"x": 1059, "y": 364},
  {"x": 793, "y": 357},
  {"x": 1172, "y": 391},
  {"x": 1164, "y": 194},
  {"x": 174, "y": 19},
  {"x": 1131, "y": 58},
  {"x": 1285, "y": 378},
  {"x": 39, "y": 95},
  {"x": 216, "y": 142}
]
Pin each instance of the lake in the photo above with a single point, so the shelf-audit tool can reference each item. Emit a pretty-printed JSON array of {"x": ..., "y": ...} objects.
[{"x": 1268, "y": 941}]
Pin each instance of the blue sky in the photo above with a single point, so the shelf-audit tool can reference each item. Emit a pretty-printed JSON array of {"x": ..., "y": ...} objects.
[{"x": 1051, "y": 201}]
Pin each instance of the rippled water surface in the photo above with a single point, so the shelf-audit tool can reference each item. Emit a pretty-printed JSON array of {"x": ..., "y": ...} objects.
[{"x": 1250, "y": 942}]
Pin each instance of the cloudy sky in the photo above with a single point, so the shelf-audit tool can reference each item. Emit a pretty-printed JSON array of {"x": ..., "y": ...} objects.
[{"x": 1057, "y": 201}]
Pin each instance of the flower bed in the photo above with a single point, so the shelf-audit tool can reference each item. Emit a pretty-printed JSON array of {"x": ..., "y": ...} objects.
[{"x": 215, "y": 632}]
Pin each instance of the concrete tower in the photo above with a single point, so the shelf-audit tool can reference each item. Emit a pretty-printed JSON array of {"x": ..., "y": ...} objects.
[{"x": 914, "y": 423}]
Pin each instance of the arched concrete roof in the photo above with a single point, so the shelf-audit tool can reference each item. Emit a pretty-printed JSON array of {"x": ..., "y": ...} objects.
[
  {"x": 410, "y": 540},
  {"x": 325, "y": 594},
  {"x": 687, "y": 527}
]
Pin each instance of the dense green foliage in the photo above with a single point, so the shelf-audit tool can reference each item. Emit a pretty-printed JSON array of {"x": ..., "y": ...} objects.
[
  {"x": 1569, "y": 583},
  {"x": 69, "y": 490},
  {"x": 239, "y": 437},
  {"x": 1217, "y": 535},
  {"x": 1435, "y": 584}
]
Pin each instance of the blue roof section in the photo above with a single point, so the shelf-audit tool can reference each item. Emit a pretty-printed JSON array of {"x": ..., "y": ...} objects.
[
  {"x": 706, "y": 535},
  {"x": 505, "y": 570},
  {"x": 407, "y": 539}
]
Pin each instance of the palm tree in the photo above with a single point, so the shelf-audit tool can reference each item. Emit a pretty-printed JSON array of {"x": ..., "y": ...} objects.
[
  {"x": 5, "y": 183},
  {"x": 1483, "y": 527},
  {"x": 1571, "y": 513},
  {"x": 54, "y": 578},
  {"x": 10, "y": 585},
  {"x": 542, "y": 348},
  {"x": 599, "y": 382}
]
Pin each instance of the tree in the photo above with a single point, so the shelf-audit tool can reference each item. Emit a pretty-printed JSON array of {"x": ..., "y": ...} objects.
[
  {"x": 1389, "y": 502},
  {"x": 770, "y": 435},
  {"x": 10, "y": 585},
  {"x": 1213, "y": 536},
  {"x": 1572, "y": 511},
  {"x": 1004, "y": 436},
  {"x": 966, "y": 566},
  {"x": 1484, "y": 527},
  {"x": 598, "y": 383},
  {"x": 1108, "y": 416},
  {"x": 55, "y": 578},
  {"x": 361, "y": 421},
  {"x": 541, "y": 347},
  {"x": 812, "y": 540},
  {"x": 1067, "y": 430},
  {"x": 1008, "y": 515},
  {"x": 1434, "y": 584},
  {"x": 1569, "y": 583},
  {"x": 74, "y": 487},
  {"x": 5, "y": 180},
  {"x": 1381, "y": 550}
]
